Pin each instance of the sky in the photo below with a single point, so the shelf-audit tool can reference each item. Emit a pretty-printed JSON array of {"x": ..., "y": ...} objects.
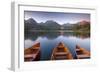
[{"x": 59, "y": 17}]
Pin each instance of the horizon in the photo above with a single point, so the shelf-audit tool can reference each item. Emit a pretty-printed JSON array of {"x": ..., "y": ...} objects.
[{"x": 56, "y": 16}]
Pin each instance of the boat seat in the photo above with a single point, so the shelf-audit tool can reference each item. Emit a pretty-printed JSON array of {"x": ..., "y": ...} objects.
[
  {"x": 78, "y": 49},
  {"x": 61, "y": 53},
  {"x": 35, "y": 47},
  {"x": 79, "y": 52},
  {"x": 60, "y": 50},
  {"x": 60, "y": 57},
  {"x": 60, "y": 47},
  {"x": 29, "y": 56},
  {"x": 83, "y": 56}
]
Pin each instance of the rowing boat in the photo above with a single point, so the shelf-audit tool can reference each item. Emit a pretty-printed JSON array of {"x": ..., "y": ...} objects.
[
  {"x": 32, "y": 53},
  {"x": 82, "y": 53},
  {"x": 61, "y": 52}
]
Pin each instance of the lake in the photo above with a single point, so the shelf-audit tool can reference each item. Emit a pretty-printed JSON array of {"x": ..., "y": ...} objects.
[{"x": 49, "y": 40}]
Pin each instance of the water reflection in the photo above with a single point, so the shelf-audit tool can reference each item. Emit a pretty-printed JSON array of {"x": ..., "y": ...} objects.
[
  {"x": 49, "y": 40},
  {"x": 53, "y": 35}
]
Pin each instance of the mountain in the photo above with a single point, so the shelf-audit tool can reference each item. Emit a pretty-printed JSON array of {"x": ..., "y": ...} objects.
[
  {"x": 82, "y": 23},
  {"x": 51, "y": 23},
  {"x": 48, "y": 25},
  {"x": 41, "y": 23},
  {"x": 31, "y": 24},
  {"x": 67, "y": 26},
  {"x": 31, "y": 21},
  {"x": 82, "y": 26}
]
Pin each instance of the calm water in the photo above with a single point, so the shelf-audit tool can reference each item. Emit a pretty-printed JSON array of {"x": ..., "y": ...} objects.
[{"x": 49, "y": 40}]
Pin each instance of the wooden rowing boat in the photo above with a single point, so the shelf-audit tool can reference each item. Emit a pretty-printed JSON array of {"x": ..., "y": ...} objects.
[
  {"x": 32, "y": 53},
  {"x": 61, "y": 52},
  {"x": 82, "y": 53}
]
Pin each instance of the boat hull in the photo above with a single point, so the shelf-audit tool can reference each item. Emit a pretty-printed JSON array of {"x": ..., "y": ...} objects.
[
  {"x": 61, "y": 53},
  {"x": 32, "y": 53},
  {"x": 82, "y": 53}
]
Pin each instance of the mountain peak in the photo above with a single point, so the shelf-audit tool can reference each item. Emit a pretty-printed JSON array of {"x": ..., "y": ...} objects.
[
  {"x": 51, "y": 23},
  {"x": 31, "y": 21},
  {"x": 84, "y": 22}
]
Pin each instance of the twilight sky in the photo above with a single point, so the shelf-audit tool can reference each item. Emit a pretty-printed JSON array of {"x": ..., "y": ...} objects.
[{"x": 59, "y": 17}]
